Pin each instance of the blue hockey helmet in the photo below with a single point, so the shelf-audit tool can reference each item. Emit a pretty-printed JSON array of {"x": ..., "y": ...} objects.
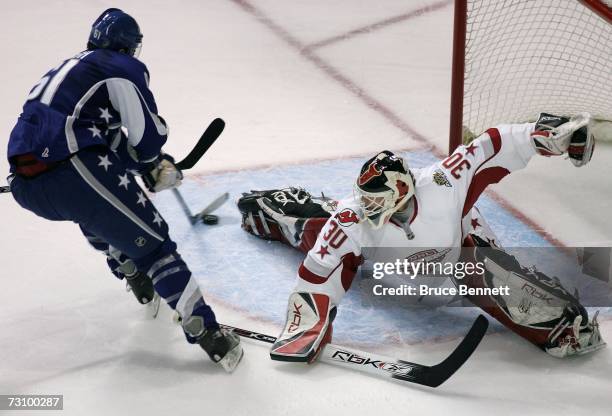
[{"x": 117, "y": 31}]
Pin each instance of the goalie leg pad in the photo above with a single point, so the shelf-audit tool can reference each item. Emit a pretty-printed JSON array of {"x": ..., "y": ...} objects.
[
  {"x": 307, "y": 330},
  {"x": 283, "y": 214},
  {"x": 538, "y": 308},
  {"x": 263, "y": 226}
]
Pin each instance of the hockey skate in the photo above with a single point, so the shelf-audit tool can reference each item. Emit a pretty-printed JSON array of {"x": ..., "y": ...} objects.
[
  {"x": 142, "y": 287},
  {"x": 570, "y": 337},
  {"x": 223, "y": 347}
]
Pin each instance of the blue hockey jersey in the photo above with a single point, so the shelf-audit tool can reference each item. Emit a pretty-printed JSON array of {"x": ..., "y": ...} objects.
[{"x": 85, "y": 101}]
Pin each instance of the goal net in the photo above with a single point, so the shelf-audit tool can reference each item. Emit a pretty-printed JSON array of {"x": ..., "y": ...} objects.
[{"x": 515, "y": 58}]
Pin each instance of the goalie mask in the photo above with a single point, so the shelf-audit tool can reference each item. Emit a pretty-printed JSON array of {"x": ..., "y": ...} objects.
[{"x": 383, "y": 187}]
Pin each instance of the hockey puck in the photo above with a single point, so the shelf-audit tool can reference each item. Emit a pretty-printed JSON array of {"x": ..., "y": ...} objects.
[{"x": 210, "y": 219}]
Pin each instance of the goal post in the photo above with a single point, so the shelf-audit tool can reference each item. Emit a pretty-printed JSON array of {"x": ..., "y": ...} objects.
[{"x": 515, "y": 58}]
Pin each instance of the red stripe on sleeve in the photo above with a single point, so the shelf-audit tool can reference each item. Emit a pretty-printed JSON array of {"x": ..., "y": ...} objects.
[
  {"x": 487, "y": 176},
  {"x": 350, "y": 264},
  {"x": 479, "y": 182},
  {"x": 495, "y": 139},
  {"x": 311, "y": 277}
]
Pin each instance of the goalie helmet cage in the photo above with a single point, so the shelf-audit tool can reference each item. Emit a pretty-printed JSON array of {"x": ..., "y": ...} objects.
[{"x": 513, "y": 59}]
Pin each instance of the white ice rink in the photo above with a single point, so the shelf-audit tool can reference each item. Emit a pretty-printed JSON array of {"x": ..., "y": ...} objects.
[{"x": 298, "y": 83}]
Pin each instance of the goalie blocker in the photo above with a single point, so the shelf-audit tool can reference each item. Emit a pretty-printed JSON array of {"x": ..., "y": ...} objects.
[
  {"x": 295, "y": 218},
  {"x": 307, "y": 329}
]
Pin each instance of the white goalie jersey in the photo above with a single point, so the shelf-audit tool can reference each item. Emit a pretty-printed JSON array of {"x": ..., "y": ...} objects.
[{"x": 443, "y": 215}]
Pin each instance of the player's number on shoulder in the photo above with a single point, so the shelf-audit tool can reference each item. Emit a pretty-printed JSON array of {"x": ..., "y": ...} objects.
[
  {"x": 334, "y": 235},
  {"x": 37, "y": 89},
  {"x": 456, "y": 163},
  {"x": 45, "y": 88}
]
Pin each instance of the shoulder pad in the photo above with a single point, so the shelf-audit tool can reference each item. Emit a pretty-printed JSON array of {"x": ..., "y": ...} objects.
[{"x": 116, "y": 63}]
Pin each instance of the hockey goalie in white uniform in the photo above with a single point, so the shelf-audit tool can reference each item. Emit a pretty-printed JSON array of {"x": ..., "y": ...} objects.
[{"x": 394, "y": 206}]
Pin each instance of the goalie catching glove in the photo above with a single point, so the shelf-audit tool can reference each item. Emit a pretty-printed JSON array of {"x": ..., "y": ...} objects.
[
  {"x": 557, "y": 135},
  {"x": 162, "y": 174}
]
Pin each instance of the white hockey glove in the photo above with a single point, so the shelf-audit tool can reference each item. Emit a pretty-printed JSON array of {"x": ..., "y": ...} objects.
[
  {"x": 163, "y": 175},
  {"x": 557, "y": 135}
]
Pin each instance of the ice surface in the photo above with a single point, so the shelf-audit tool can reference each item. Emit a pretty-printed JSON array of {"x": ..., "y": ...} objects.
[
  {"x": 68, "y": 327},
  {"x": 212, "y": 252}
]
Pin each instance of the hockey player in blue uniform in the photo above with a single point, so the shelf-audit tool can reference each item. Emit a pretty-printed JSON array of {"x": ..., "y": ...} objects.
[{"x": 87, "y": 128}]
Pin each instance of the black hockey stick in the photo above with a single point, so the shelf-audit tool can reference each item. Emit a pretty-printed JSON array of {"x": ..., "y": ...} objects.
[
  {"x": 393, "y": 368},
  {"x": 212, "y": 132},
  {"x": 210, "y": 135},
  {"x": 203, "y": 215}
]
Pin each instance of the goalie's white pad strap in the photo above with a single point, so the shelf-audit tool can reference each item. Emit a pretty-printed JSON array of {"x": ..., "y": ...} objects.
[{"x": 251, "y": 223}]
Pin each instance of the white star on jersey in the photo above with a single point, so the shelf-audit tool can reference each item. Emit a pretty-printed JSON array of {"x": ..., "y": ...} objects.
[
  {"x": 104, "y": 162},
  {"x": 141, "y": 199},
  {"x": 105, "y": 114},
  {"x": 124, "y": 180},
  {"x": 157, "y": 219},
  {"x": 95, "y": 132}
]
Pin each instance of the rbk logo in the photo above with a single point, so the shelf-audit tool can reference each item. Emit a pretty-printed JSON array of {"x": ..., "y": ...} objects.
[
  {"x": 371, "y": 172},
  {"x": 297, "y": 318},
  {"x": 396, "y": 369},
  {"x": 533, "y": 291}
]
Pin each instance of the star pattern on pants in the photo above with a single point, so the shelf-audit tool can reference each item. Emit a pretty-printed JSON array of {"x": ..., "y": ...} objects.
[
  {"x": 157, "y": 219},
  {"x": 124, "y": 180},
  {"x": 95, "y": 131},
  {"x": 141, "y": 199},
  {"x": 104, "y": 162},
  {"x": 105, "y": 114}
]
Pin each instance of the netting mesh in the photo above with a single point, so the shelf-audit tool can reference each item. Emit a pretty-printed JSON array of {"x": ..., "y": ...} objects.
[{"x": 527, "y": 56}]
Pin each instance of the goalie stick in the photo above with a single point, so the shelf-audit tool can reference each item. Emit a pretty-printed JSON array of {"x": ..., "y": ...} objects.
[
  {"x": 396, "y": 369},
  {"x": 212, "y": 132}
]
